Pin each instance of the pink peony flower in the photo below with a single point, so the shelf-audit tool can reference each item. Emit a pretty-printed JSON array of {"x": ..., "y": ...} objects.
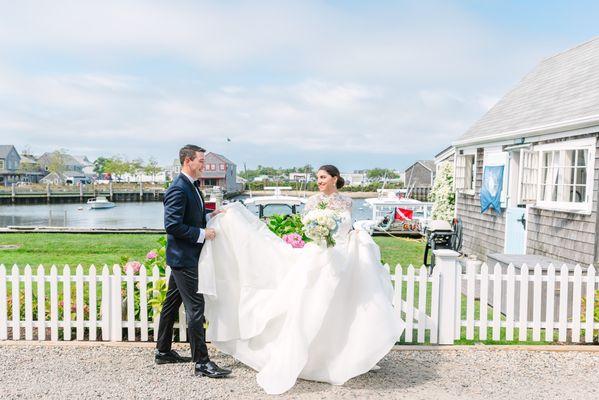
[
  {"x": 151, "y": 255},
  {"x": 136, "y": 265},
  {"x": 295, "y": 240}
]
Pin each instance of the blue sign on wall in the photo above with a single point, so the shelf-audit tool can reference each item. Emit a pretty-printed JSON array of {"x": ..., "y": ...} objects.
[{"x": 490, "y": 193}]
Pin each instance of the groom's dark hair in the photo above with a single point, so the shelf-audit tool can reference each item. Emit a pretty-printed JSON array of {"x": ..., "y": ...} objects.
[{"x": 189, "y": 151}]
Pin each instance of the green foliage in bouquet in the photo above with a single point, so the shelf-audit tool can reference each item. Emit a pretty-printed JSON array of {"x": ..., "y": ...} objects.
[{"x": 282, "y": 225}]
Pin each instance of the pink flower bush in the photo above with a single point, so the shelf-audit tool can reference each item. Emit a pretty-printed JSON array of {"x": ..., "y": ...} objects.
[
  {"x": 295, "y": 240},
  {"x": 151, "y": 255},
  {"x": 135, "y": 265}
]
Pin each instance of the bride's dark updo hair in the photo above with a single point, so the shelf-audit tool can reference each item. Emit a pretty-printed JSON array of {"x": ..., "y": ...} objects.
[{"x": 334, "y": 172}]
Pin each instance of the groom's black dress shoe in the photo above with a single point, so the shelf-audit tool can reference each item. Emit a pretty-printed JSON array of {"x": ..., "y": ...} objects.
[
  {"x": 211, "y": 370},
  {"x": 169, "y": 357}
]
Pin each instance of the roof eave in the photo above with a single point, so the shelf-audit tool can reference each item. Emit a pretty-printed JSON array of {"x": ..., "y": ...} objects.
[{"x": 563, "y": 126}]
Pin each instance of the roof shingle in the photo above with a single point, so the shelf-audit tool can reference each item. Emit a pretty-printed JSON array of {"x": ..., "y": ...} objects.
[{"x": 560, "y": 91}]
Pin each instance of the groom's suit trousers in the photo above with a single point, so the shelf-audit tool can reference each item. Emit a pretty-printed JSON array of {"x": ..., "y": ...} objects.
[{"x": 182, "y": 288}]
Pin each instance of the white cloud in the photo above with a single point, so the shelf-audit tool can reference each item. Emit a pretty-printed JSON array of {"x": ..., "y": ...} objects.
[{"x": 400, "y": 79}]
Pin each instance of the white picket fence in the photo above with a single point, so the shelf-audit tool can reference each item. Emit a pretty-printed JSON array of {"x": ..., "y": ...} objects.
[
  {"x": 109, "y": 315},
  {"x": 430, "y": 305}
]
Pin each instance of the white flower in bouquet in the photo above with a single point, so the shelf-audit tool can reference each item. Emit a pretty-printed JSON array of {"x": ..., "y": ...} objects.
[{"x": 320, "y": 225}]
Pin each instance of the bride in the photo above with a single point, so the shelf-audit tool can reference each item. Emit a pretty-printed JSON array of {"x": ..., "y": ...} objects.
[{"x": 318, "y": 313}]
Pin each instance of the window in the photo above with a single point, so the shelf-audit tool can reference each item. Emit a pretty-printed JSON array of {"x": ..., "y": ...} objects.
[
  {"x": 1, "y": 165},
  {"x": 528, "y": 176},
  {"x": 223, "y": 167},
  {"x": 465, "y": 173},
  {"x": 563, "y": 175},
  {"x": 566, "y": 174}
]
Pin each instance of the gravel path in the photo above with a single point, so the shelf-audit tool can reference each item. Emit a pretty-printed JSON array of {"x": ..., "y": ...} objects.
[{"x": 108, "y": 372}]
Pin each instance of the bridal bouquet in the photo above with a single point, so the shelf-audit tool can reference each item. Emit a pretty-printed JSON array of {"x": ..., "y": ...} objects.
[{"x": 320, "y": 225}]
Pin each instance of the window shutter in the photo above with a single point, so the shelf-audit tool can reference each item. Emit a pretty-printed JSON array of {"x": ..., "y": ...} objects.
[
  {"x": 460, "y": 172},
  {"x": 529, "y": 182}
]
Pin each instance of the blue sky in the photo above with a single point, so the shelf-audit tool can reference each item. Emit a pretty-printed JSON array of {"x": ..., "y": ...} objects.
[{"x": 358, "y": 84}]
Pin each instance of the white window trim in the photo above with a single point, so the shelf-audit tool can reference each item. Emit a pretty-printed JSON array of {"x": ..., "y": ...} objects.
[
  {"x": 471, "y": 151},
  {"x": 580, "y": 144}
]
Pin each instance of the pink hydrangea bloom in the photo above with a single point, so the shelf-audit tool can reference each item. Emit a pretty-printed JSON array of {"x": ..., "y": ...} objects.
[
  {"x": 295, "y": 240},
  {"x": 151, "y": 255},
  {"x": 135, "y": 265}
]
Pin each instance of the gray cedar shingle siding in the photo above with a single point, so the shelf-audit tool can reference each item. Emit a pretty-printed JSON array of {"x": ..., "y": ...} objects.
[
  {"x": 11, "y": 158},
  {"x": 483, "y": 233},
  {"x": 419, "y": 175},
  {"x": 568, "y": 237},
  {"x": 565, "y": 236},
  {"x": 4, "y": 150},
  {"x": 562, "y": 88}
]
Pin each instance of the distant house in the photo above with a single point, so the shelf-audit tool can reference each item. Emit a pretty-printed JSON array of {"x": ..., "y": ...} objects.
[
  {"x": 219, "y": 171},
  {"x": 54, "y": 178},
  {"x": 9, "y": 165},
  {"x": 261, "y": 178},
  {"x": 87, "y": 165},
  {"x": 69, "y": 162},
  {"x": 173, "y": 170},
  {"x": 241, "y": 182},
  {"x": 420, "y": 174},
  {"x": 300, "y": 177},
  {"x": 354, "y": 179},
  {"x": 543, "y": 136}
]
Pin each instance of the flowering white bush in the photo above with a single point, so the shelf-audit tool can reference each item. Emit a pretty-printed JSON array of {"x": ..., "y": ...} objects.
[
  {"x": 320, "y": 225},
  {"x": 442, "y": 195}
]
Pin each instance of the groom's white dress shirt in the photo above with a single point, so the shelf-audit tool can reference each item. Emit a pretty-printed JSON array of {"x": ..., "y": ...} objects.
[{"x": 202, "y": 232}]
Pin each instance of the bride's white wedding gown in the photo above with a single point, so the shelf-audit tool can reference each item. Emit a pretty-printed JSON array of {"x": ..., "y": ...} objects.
[{"x": 316, "y": 313}]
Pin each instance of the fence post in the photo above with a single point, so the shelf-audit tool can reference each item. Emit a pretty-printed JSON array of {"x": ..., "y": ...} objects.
[
  {"x": 447, "y": 264},
  {"x": 116, "y": 314}
]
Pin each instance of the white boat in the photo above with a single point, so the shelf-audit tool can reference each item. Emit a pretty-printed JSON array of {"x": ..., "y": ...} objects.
[
  {"x": 394, "y": 214},
  {"x": 275, "y": 201},
  {"x": 100, "y": 202}
]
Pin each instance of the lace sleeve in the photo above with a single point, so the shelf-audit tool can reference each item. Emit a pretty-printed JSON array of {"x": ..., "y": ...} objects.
[
  {"x": 346, "y": 202},
  {"x": 311, "y": 203}
]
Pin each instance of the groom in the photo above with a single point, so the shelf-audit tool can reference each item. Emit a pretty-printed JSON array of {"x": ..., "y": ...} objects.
[{"x": 185, "y": 223}]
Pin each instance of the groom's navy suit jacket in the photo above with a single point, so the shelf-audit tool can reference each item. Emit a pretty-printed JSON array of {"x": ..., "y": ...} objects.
[{"x": 184, "y": 215}]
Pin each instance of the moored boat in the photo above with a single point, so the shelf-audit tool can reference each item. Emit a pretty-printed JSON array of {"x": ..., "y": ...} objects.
[
  {"x": 394, "y": 214},
  {"x": 100, "y": 202}
]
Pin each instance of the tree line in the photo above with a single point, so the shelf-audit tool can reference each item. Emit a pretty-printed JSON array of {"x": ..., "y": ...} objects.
[
  {"x": 119, "y": 166},
  {"x": 250, "y": 174}
]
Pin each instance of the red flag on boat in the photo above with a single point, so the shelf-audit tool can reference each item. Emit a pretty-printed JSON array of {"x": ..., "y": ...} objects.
[{"x": 403, "y": 214}]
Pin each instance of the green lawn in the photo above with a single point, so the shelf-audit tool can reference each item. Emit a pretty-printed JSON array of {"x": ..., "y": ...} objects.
[
  {"x": 74, "y": 249},
  {"x": 404, "y": 251}
]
